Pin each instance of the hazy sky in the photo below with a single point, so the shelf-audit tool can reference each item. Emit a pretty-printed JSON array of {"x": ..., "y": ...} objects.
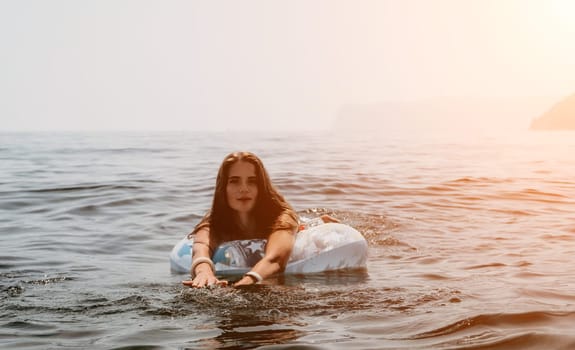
[{"x": 258, "y": 64}]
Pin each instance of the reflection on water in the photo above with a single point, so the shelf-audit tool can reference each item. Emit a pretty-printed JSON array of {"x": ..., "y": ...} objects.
[{"x": 270, "y": 313}]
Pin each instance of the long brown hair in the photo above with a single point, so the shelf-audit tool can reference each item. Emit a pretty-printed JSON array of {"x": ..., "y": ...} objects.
[{"x": 271, "y": 211}]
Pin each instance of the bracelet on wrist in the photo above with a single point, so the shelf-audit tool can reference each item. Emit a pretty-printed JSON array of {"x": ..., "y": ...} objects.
[
  {"x": 255, "y": 276},
  {"x": 201, "y": 260}
]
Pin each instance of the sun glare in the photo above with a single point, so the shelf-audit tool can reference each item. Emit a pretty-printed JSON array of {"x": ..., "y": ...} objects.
[{"x": 562, "y": 13}]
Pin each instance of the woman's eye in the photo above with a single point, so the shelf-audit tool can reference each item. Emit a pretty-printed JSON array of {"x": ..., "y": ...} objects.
[
  {"x": 252, "y": 181},
  {"x": 233, "y": 180}
]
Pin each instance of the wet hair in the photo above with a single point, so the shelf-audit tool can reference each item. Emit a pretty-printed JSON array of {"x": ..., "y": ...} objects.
[{"x": 271, "y": 211}]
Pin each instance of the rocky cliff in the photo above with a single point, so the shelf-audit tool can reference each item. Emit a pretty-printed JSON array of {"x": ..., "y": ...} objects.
[{"x": 560, "y": 117}]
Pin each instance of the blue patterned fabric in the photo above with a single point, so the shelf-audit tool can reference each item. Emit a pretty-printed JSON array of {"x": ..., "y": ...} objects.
[{"x": 244, "y": 253}]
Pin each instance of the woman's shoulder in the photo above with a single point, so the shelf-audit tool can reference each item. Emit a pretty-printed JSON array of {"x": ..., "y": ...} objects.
[{"x": 200, "y": 232}]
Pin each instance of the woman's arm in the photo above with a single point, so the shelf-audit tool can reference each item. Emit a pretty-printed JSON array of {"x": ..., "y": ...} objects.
[
  {"x": 278, "y": 250},
  {"x": 202, "y": 273}
]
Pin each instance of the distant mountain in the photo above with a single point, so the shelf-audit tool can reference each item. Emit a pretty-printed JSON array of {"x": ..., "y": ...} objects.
[
  {"x": 442, "y": 113},
  {"x": 560, "y": 117}
]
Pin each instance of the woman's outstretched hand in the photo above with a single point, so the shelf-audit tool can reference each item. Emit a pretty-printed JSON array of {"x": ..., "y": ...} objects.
[{"x": 203, "y": 279}]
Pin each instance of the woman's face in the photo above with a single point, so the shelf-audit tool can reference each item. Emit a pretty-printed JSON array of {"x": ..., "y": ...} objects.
[{"x": 242, "y": 187}]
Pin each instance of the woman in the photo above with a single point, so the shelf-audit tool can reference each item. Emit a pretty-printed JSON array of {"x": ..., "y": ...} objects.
[{"x": 245, "y": 206}]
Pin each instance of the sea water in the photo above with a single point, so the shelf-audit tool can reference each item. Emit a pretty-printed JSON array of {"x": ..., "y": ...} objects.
[{"x": 471, "y": 241}]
